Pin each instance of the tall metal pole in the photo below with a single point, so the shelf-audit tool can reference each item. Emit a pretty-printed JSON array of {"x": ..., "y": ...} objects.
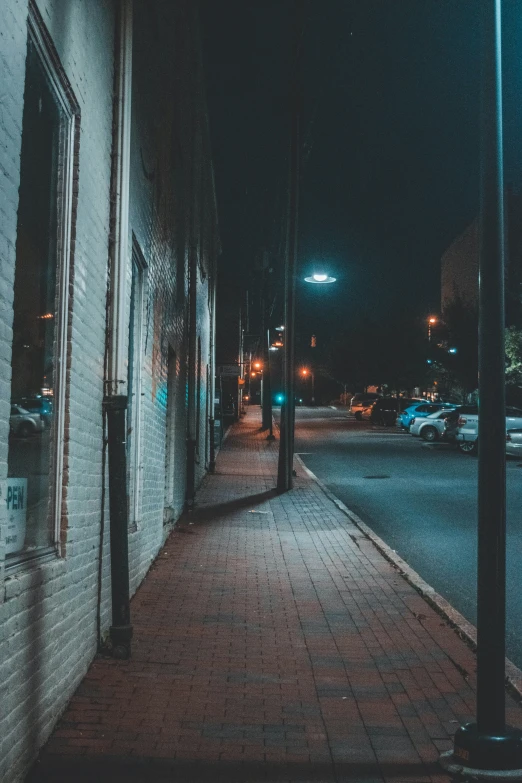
[
  {"x": 270, "y": 435},
  {"x": 266, "y": 419},
  {"x": 489, "y": 744},
  {"x": 286, "y": 442}
]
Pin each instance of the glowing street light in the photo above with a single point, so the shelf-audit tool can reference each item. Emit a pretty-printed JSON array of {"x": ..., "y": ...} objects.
[
  {"x": 432, "y": 320},
  {"x": 305, "y": 372},
  {"x": 320, "y": 277}
]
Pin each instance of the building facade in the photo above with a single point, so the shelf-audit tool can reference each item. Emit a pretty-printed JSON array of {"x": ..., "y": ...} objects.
[
  {"x": 460, "y": 264},
  {"x": 108, "y": 248}
]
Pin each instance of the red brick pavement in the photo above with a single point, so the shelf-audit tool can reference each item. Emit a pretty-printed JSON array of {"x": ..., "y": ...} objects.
[{"x": 272, "y": 641}]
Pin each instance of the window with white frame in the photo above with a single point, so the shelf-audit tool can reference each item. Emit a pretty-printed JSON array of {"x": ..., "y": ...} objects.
[
  {"x": 49, "y": 127},
  {"x": 170, "y": 437},
  {"x": 135, "y": 363}
]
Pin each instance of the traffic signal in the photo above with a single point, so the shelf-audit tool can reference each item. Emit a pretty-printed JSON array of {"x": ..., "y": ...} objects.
[{"x": 313, "y": 341}]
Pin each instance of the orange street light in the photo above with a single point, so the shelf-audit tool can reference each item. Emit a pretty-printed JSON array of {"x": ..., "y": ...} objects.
[{"x": 432, "y": 320}]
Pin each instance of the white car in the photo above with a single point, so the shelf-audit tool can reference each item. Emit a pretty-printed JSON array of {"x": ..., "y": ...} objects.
[
  {"x": 362, "y": 401},
  {"x": 514, "y": 443},
  {"x": 436, "y": 426},
  {"x": 22, "y": 423},
  {"x": 467, "y": 426}
]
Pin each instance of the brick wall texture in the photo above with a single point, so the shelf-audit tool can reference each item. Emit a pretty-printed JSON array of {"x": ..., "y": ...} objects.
[{"x": 52, "y": 610}]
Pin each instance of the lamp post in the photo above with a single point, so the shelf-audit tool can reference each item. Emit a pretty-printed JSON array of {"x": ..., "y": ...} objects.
[
  {"x": 305, "y": 373},
  {"x": 267, "y": 407},
  {"x": 432, "y": 320},
  {"x": 286, "y": 440},
  {"x": 488, "y": 744}
]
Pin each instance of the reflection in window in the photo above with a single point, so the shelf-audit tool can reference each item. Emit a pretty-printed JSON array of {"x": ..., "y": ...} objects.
[{"x": 36, "y": 322}]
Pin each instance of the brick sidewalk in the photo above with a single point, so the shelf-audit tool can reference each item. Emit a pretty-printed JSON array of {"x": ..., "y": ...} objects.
[{"x": 272, "y": 641}]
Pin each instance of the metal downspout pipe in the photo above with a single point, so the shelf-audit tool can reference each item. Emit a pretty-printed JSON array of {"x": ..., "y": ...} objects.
[{"x": 115, "y": 399}]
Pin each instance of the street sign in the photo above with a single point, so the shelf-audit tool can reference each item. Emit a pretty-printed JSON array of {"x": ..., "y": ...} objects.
[{"x": 231, "y": 370}]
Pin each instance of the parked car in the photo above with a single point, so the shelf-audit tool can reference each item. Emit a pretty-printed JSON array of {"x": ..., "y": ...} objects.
[
  {"x": 514, "y": 442},
  {"x": 421, "y": 410},
  {"x": 436, "y": 426},
  {"x": 360, "y": 401},
  {"x": 386, "y": 410},
  {"x": 41, "y": 405},
  {"x": 467, "y": 426},
  {"x": 22, "y": 423}
]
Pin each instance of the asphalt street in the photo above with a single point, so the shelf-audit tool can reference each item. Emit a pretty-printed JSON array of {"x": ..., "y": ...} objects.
[{"x": 421, "y": 499}]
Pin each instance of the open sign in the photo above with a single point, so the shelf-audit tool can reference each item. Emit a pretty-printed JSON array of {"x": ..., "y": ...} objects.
[{"x": 16, "y": 502}]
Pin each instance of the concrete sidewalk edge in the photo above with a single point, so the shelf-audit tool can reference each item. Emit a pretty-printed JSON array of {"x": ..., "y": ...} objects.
[{"x": 466, "y": 630}]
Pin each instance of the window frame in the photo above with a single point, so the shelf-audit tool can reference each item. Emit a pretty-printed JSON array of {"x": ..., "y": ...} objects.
[
  {"x": 66, "y": 192},
  {"x": 135, "y": 454}
]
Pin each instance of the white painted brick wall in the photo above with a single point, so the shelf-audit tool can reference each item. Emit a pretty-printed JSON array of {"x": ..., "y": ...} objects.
[{"x": 48, "y": 611}]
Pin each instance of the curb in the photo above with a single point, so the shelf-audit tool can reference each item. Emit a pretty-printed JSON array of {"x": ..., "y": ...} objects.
[{"x": 465, "y": 629}]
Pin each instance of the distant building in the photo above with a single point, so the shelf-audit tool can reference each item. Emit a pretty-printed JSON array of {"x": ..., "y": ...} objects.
[
  {"x": 108, "y": 248},
  {"x": 459, "y": 268},
  {"x": 460, "y": 264}
]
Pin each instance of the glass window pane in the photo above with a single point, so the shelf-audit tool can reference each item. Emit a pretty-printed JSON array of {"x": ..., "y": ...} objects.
[{"x": 31, "y": 441}]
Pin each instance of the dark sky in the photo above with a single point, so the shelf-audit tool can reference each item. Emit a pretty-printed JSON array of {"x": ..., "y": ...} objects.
[{"x": 390, "y": 135}]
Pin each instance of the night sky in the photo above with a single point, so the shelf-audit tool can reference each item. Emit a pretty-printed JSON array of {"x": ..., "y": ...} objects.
[{"x": 390, "y": 133}]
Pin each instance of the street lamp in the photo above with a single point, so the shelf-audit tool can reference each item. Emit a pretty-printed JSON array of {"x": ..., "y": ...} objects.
[
  {"x": 320, "y": 277},
  {"x": 489, "y": 744},
  {"x": 305, "y": 373},
  {"x": 432, "y": 320}
]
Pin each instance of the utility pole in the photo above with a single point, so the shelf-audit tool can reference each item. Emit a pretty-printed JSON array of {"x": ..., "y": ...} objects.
[
  {"x": 269, "y": 416},
  {"x": 286, "y": 442},
  {"x": 240, "y": 405},
  {"x": 266, "y": 420},
  {"x": 488, "y": 744}
]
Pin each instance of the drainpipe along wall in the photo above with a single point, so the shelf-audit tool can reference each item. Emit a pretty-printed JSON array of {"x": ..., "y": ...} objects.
[{"x": 115, "y": 400}]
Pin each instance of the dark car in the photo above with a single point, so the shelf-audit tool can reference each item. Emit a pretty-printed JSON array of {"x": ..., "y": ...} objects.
[{"x": 386, "y": 410}]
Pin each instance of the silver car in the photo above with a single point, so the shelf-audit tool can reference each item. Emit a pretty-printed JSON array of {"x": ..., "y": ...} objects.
[
  {"x": 436, "y": 426},
  {"x": 22, "y": 423},
  {"x": 467, "y": 430},
  {"x": 514, "y": 442}
]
